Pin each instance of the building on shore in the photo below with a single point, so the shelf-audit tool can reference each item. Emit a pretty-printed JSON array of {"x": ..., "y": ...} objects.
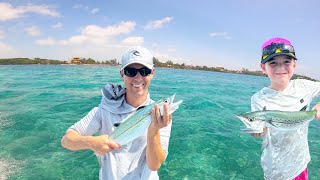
[{"x": 76, "y": 60}]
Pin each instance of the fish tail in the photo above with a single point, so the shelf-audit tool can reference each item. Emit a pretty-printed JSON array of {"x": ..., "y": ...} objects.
[{"x": 174, "y": 106}]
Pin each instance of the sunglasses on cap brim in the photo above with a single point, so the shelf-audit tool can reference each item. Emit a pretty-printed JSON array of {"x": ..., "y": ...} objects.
[
  {"x": 131, "y": 72},
  {"x": 277, "y": 48}
]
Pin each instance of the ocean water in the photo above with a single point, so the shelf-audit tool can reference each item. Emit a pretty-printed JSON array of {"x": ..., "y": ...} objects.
[{"x": 38, "y": 103}]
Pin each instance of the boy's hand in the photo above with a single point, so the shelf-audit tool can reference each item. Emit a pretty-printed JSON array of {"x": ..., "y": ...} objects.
[
  {"x": 317, "y": 107},
  {"x": 256, "y": 135}
]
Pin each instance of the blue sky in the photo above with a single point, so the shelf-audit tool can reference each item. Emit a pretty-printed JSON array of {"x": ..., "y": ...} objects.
[{"x": 225, "y": 33}]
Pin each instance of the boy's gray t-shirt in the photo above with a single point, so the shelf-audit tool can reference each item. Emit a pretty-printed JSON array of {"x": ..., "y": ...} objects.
[
  {"x": 128, "y": 162},
  {"x": 285, "y": 150}
]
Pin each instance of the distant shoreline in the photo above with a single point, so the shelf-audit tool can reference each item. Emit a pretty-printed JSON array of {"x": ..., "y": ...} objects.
[{"x": 113, "y": 62}]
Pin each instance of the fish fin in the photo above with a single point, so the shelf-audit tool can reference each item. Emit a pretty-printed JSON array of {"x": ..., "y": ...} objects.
[
  {"x": 304, "y": 108},
  {"x": 264, "y": 108},
  {"x": 170, "y": 99},
  {"x": 272, "y": 124},
  {"x": 174, "y": 106}
]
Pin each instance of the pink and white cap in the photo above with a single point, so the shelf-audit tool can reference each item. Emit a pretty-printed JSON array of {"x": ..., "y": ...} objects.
[{"x": 274, "y": 41}]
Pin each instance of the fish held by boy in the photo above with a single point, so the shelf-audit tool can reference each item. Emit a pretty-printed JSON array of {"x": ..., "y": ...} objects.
[
  {"x": 282, "y": 119},
  {"x": 136, "y": 124}
]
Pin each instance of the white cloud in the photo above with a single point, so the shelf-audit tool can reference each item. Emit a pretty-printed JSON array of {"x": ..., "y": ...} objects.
[
  {"x": 225, "y": 35},
  {"x": 2, "y": 35},
  {"x": 86, "y": 8},
  {"x": 157, "y": 24},
  {"x": 93, "y": 34},
  {"x": 8, "y": 12},
  {"x": 48, "y": 41},
  {"x": 131, "y": 41},
  {"x": 95, "y": 10},
  {"x": 57, "y": 26},
  {"x": 33, "y": 31},
  {"x": 77, "y": 6},
  {"x": 166, "y": 57},
  {"x": 7, "y": 51},
  {"x": 172, "y": 49}
]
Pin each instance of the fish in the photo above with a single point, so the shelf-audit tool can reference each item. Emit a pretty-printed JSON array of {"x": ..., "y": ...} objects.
[
  {"x": 136, "y": 125},
  {"x": 255, "y": 120}
]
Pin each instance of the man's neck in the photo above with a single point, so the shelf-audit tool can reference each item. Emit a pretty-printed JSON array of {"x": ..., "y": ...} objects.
[{"x": 136, "y": 100}]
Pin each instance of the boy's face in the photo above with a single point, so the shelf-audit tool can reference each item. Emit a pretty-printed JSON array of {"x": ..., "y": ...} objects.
[
  {"x": 137, "y": 85},
  {"x": 279, "y": 69}
]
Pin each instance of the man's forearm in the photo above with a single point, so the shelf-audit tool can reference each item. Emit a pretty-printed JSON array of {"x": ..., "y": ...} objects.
[
  {"x": 74, "y": 141},
  {"x": 155, "y": 152}
]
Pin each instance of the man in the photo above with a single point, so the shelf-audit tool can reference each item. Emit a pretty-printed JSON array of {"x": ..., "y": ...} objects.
[{"x": 141, "y": 158}]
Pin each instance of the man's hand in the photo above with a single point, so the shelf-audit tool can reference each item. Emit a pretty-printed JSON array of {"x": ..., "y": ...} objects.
[
  {"x": 317, "y": 107},
  {"x": 155, "y": 153},
  {"x": 103, "y": 144},
  {"x": 99, "y": 144},
  {"x": 159, "y": 121}
]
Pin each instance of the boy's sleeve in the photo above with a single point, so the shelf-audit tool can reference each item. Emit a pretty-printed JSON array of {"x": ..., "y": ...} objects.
[
  {"x": 315, "y": 87},
  {"x": 88, "y": 125},
  {"x": 312, "y": 87},
  {"x": 255, "y": 105}
]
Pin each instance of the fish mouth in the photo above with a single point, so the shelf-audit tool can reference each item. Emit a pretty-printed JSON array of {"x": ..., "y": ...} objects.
[
  {"x": 249, "y": 130},
  {"x": 252, "y": 127},
  {"x": 244, "y": 120}
]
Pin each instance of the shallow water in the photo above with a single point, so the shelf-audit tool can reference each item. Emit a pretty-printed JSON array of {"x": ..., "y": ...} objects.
[{"x": 38, "y": 103}]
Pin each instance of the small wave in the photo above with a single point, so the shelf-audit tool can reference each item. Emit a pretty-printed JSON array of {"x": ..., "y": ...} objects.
[
  {"x": 5, "y": 121},
  {"x": 9, "y": 167}
]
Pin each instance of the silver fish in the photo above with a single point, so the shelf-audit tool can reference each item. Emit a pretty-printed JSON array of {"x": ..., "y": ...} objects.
[
  {"x": 254, "y": 120},
  {"x": 137, "y": 124}
]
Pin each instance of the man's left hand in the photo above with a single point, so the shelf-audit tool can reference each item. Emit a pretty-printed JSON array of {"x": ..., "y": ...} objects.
[{"x": 159, "y": 121}]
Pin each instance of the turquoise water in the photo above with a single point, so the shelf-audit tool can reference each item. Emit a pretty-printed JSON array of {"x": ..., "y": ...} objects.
[{"x": 38, "y": 103}]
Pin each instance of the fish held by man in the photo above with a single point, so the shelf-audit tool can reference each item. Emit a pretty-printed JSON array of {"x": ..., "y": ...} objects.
[
  {"x": 136, "y": 124},
  {"x": 283, "y": 119}
]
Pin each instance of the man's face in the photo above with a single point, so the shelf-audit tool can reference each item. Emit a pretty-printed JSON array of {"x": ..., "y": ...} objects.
[
  {"x": 280, "y": 69},
  {"x": 138, "y": 85}
]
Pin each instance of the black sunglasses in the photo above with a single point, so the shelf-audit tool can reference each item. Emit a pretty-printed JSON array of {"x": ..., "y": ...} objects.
[{"x": 131, "y": 72}]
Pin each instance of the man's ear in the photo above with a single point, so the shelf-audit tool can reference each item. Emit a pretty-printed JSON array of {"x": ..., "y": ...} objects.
[{"x": 121, "y": 74}]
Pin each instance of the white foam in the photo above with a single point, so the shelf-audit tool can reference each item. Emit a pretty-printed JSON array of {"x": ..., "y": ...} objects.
[
  {"x": 8, "y": 167},
  {"x": 4, "y": 120}
]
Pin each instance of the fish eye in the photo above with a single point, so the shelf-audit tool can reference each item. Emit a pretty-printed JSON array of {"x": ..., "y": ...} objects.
[{"x": 250, "y": 119}]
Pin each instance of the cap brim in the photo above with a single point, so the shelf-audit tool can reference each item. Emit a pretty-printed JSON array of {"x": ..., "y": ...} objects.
[
  {"x": 137, "y": 62},
  {"x": 277, "y": 54}
]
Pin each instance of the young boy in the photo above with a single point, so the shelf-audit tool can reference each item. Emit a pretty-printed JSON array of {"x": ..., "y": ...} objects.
[{"x": 285, "y": 151}]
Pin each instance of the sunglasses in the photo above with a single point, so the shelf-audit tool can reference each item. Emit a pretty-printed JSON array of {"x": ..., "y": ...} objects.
[
  {"x": 131, "y": 72},
  {"x": 276, "y": 48}
]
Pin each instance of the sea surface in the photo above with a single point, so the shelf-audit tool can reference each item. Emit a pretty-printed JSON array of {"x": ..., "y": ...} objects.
[{"x": 39, "y": 102}]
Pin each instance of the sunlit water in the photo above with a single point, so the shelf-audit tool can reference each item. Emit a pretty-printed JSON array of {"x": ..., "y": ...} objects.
[{"x": 38, "y": 103}]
